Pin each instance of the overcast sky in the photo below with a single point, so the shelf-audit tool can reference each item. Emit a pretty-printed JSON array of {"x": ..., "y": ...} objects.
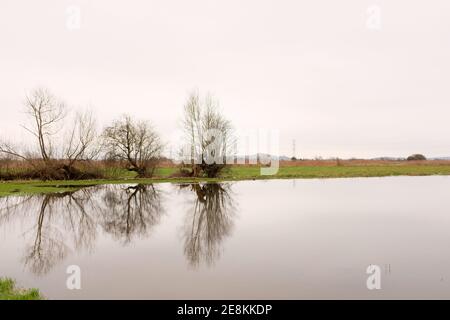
[{"x": 333, "y": 75}]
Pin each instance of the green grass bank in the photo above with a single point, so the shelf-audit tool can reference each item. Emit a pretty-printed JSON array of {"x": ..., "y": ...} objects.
[
  {"x": 232, "y": 174},
  {"x": 9, "y": 291}
]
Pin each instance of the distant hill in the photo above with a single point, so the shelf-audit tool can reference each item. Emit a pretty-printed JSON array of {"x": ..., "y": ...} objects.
[
  {"x": 261, "y": 155},
  {"x": 388, "y": 159}
]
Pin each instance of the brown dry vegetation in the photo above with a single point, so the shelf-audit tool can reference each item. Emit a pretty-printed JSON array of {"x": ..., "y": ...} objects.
[
  {"x": 361, "y": 162},
  {"x": 54, "y": 170}
]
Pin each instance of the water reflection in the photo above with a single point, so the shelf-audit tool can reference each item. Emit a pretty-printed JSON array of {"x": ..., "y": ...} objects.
[
  {"x": 208, "y": 222},
  {"x": 131, "y": 213},
  {"x": 56, "y": 225},
  {"x": 66, "y": 222}
]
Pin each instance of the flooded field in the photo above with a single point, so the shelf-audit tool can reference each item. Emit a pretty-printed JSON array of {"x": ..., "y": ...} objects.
[{"x": 278, "y": 239}]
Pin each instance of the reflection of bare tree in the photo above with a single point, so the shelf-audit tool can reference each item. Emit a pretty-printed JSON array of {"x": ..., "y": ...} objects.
[
  {"x": 208, "y": 222},
  {"x": 60, "y": 217},
  {"x": 131, "y": 212},
  {"x": 64, "y": 222},
  {"x": 48, "y": 247}
]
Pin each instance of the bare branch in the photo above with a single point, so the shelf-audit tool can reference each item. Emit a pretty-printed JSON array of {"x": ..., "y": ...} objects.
[{"x": 46, "y": 113}]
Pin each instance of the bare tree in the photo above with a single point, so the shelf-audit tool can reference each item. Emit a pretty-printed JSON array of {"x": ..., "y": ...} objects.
[
  {"x": 46, "y": 113},
  {"x": 135, "y": 142},
  {"x": 208, "y": 135}
]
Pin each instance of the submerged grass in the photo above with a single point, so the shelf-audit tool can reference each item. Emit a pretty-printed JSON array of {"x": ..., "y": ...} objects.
[
  {"x": 9, "y": 291},
  {"x": 233, "y": 174}
]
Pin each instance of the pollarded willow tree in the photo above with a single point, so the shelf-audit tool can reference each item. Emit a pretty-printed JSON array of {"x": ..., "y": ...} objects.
[
  {"x": 208, "y": 135},
  {"x": 135, "y": 142}
]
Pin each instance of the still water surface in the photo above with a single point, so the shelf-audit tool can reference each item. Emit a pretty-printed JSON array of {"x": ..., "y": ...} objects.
[{"x": 278, "y": 239}]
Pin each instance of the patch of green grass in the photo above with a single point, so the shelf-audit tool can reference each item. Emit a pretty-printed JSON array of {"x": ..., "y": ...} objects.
[
  {"x": 9, "y": 291},
  {"x": 232, "y": 174},
  {"x": 341, "y": 171}
]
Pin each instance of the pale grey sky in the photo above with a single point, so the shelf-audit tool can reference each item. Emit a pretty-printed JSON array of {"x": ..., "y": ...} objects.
[{"x": 311, "y": 69}]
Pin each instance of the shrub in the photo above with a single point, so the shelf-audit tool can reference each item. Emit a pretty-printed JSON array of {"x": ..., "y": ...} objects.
[{"x": 416, "y": 157}]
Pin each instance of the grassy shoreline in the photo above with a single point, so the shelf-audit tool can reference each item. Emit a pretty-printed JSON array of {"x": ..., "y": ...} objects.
[
  {"x": 10, "y": 291},
  {"x": 233, "y": 174}
]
